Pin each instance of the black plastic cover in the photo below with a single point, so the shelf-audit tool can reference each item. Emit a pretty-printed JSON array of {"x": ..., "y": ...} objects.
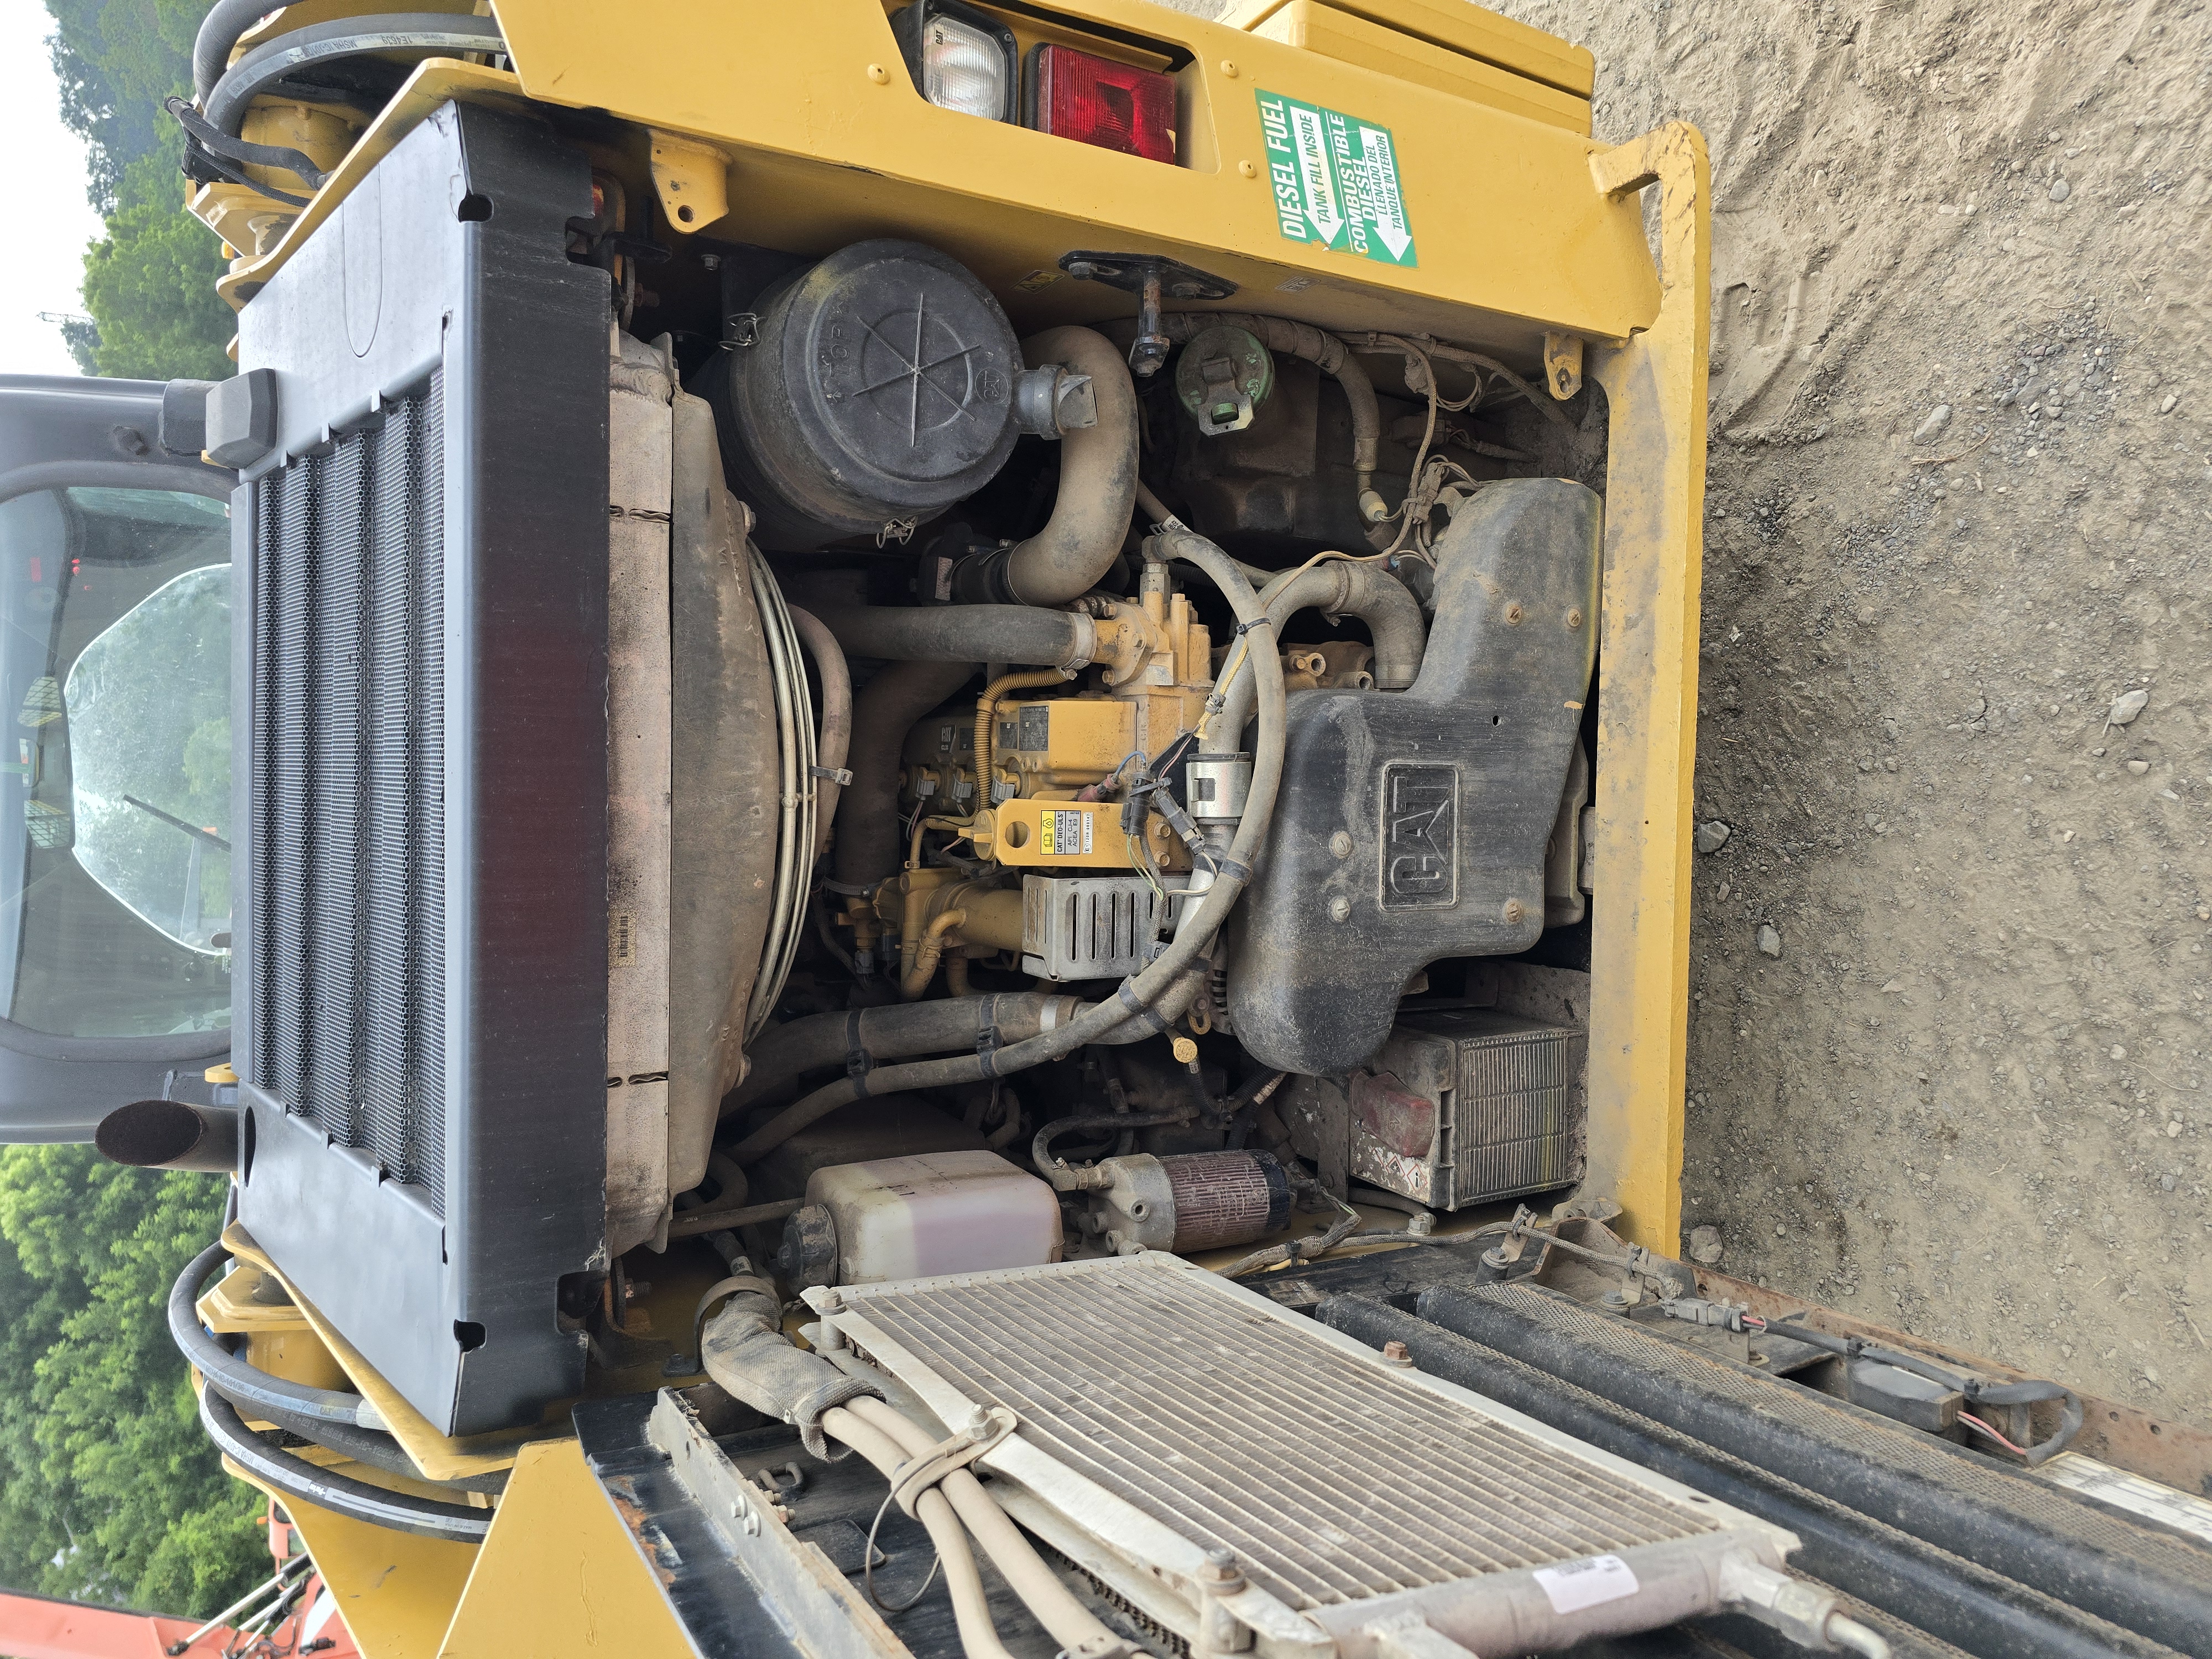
[
  {"x": 877, "y": 392},
  {"x": 1443, "y": 793},
  {"x": 421, "y": 689}
]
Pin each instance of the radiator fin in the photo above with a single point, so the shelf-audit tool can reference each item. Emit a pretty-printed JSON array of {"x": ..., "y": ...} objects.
[
  {"x": 349, "y": 761},
  {"x": 1332, "y": 1478}
]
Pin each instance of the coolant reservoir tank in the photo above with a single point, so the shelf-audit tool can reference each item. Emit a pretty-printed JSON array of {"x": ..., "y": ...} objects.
[{"x": 935, "y": 1213}]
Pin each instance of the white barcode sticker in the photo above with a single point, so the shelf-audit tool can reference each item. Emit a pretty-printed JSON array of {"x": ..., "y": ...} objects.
[
  {"x": 1066, "y": 833},
  {"x": 1588, "y": 1584}
]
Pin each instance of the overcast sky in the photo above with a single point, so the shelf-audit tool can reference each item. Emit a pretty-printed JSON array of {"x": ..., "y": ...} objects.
[{"x": 46, "y": 184}]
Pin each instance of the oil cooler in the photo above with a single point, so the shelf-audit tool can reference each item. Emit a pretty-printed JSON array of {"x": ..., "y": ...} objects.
[{"x": 1469, "y": 1106}]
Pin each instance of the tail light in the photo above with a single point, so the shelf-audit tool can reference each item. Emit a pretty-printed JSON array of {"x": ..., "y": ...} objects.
[
  {"x": 959, "y": 58},
  {"x": 1072, "y": 95}
]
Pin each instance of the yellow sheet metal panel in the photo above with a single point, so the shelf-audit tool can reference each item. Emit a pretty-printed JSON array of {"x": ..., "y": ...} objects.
[
  {"x": 1464, "y": 28},
  {"x": 1336, "y": 33},
  {"x": 396, "y": 1592},
  {"x": 560, "y": 1576},
  {"x": 1510, "y": 241},
  {"x": 1648, "y": 702}
]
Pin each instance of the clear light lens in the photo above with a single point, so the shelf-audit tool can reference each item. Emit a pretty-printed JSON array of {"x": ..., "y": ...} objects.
[{"x": 964, "y": 69}]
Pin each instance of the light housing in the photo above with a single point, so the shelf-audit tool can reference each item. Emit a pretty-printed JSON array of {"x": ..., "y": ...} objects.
[
  {"x": 960, "y": 59},
  {"x": 1094, "y": 100}
]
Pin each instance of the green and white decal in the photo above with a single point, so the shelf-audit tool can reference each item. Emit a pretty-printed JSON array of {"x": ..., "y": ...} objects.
[{"x": 1335, "y": 178}]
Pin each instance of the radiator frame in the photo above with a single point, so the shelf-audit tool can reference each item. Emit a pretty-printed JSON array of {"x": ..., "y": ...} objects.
[{"x": 451, "y": 257}]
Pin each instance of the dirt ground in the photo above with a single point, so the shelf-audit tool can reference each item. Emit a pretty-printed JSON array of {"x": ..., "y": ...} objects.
[{"x": 1958, "y": 513}]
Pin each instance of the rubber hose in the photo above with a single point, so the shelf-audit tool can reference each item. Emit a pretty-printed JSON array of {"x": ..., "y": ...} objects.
[
  {"x": 928, "y": 950},
  {"x": 966, "y": 634},
  {"x": 1132, "y": 1007},
  {"x": 1071, "y": 1624},
  {"x": 1098, "y": 489},
  {"x": 237, "y": 1379},
  {"x": 835, "y": 741},
  {"x": 301, "y": 1481},
  {"x": 435, "y": 33},
  {"x": 883, "y": 714},
  {"x": 971, "y": 1606},
  {"x": 218, "y": 38},
  {"x": 1340, "y": 586},
  {"x": 786, "y": 1051}
]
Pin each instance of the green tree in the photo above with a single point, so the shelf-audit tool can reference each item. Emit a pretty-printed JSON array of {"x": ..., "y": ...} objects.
[
  {"x": 109, "y": 1490},
  {"x": 149, "y": 283}
]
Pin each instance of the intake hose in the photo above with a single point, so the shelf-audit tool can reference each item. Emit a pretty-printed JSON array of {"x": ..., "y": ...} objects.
[
  {"x": 785, "y": 1053},
  {"x": 1163, "y": 982},
  {"x": 1097, "y": 490},
  {"x": 884, "y": 712},
  {"x": 836, "y": 741},
  {"x": 966, "y": 633},
  {"x": 1339, "y": 587},
  {"x": 433, "y": 33},
  {"x": 743, "y": 1350}
]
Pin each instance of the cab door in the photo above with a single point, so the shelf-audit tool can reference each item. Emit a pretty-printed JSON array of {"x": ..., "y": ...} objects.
[{"x": 115, "y": 796}]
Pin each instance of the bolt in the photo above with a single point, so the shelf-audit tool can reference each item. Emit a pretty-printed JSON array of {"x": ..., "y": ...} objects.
[
  {"x": 1340, "y": 908},
  {"x": 1247, "y": 169},
  {"x": 1185, "y": 1050},
  {"x": 1575, "y": 618},
  {"x": 1220, "y": 1567},
  {"x": 1513, "y": 913},
  {"x": 1229, "y": 68},
  {"x": 1340, "y": 843},
  {"x": 1393, "y": 1353},
  {"x": 879, "y": 75},
  {"x": 1513, "y": 614}
]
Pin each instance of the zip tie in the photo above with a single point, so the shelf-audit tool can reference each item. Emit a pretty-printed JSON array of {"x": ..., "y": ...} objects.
[
  {"x": 859, "y": 1062},
  {"x": 1263, "y": 620},
  {"x": 837, "y": 775}
]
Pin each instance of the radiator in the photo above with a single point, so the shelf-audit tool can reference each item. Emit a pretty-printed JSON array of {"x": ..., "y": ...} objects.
[
  {"x": 1166, "y": 1413},
  {"x": 348, "y": 791}
]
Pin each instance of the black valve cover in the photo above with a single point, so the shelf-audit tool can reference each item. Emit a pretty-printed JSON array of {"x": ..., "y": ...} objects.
[{"x": 1443, "y": 793}]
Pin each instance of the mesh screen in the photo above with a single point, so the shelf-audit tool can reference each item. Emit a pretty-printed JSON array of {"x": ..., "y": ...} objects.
[{"x": 349, "y": 759}]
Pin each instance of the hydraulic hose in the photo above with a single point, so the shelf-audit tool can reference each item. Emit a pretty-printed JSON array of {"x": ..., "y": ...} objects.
[
  {"x": 971, "y": 1607},
  {"x": 1098, "y": 489},
  {"x": 1132, "y": 1005},
  {"x": 218, "y": 38},
  {"x": 1073, "y": 1625},
  {"x": 835, "y": 741},
  {"x": 966, "y": 634},
  {"x": 248, "y": 1385},
  {"x": 874, "y": 1035},
  {"x": 884, "y": 712},
  {"x": 225, "y": 103},
  {"x": 928, "y": 950},
  {"x": 299, "y": 1480},
  {"x": 1346, "y": 587}
]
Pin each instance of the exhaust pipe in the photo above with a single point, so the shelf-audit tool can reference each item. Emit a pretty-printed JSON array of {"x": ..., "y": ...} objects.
[{"x": 171, "y": 1134}]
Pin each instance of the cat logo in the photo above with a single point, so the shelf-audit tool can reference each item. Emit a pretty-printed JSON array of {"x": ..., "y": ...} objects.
[{"x": 1420, "y": 836}]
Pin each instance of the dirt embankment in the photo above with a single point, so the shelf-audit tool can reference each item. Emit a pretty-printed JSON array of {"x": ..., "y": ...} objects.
[{"x": 1960, "y": 502}]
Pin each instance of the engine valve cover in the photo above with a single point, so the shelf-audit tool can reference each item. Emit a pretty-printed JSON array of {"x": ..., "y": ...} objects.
[{"x": 1412, "y": 824}]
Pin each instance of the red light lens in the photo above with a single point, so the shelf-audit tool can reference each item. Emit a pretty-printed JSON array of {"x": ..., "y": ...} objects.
[{"x": 1110, "y": 105}]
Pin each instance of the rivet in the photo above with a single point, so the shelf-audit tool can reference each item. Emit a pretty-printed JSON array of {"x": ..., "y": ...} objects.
[
  {"x": 879, "y": 75},
  {"x": 1340, "y": 843},
  {"x": 1229, "y": 68},
  {"x": 1513, "y": 614},
  {"x": 1247, "y": 169},
  {"x": 1340, "y": 908},
  {"x": 1575, "y": 618}
]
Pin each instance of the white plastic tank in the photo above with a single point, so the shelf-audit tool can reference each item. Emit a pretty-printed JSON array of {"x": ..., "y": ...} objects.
[{"x": 936, "y": 1213}]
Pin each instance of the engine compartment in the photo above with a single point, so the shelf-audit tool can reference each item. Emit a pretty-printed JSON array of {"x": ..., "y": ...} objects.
[{"x": 1191, "y": 746}]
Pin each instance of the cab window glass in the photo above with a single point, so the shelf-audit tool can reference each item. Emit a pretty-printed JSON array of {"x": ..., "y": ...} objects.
[{"x": 115, "y": 802}]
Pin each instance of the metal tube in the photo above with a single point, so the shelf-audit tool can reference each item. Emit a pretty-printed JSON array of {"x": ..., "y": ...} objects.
[
  {"x": 836, "y": 739},
  {"x": 171, "y": 1134}
]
